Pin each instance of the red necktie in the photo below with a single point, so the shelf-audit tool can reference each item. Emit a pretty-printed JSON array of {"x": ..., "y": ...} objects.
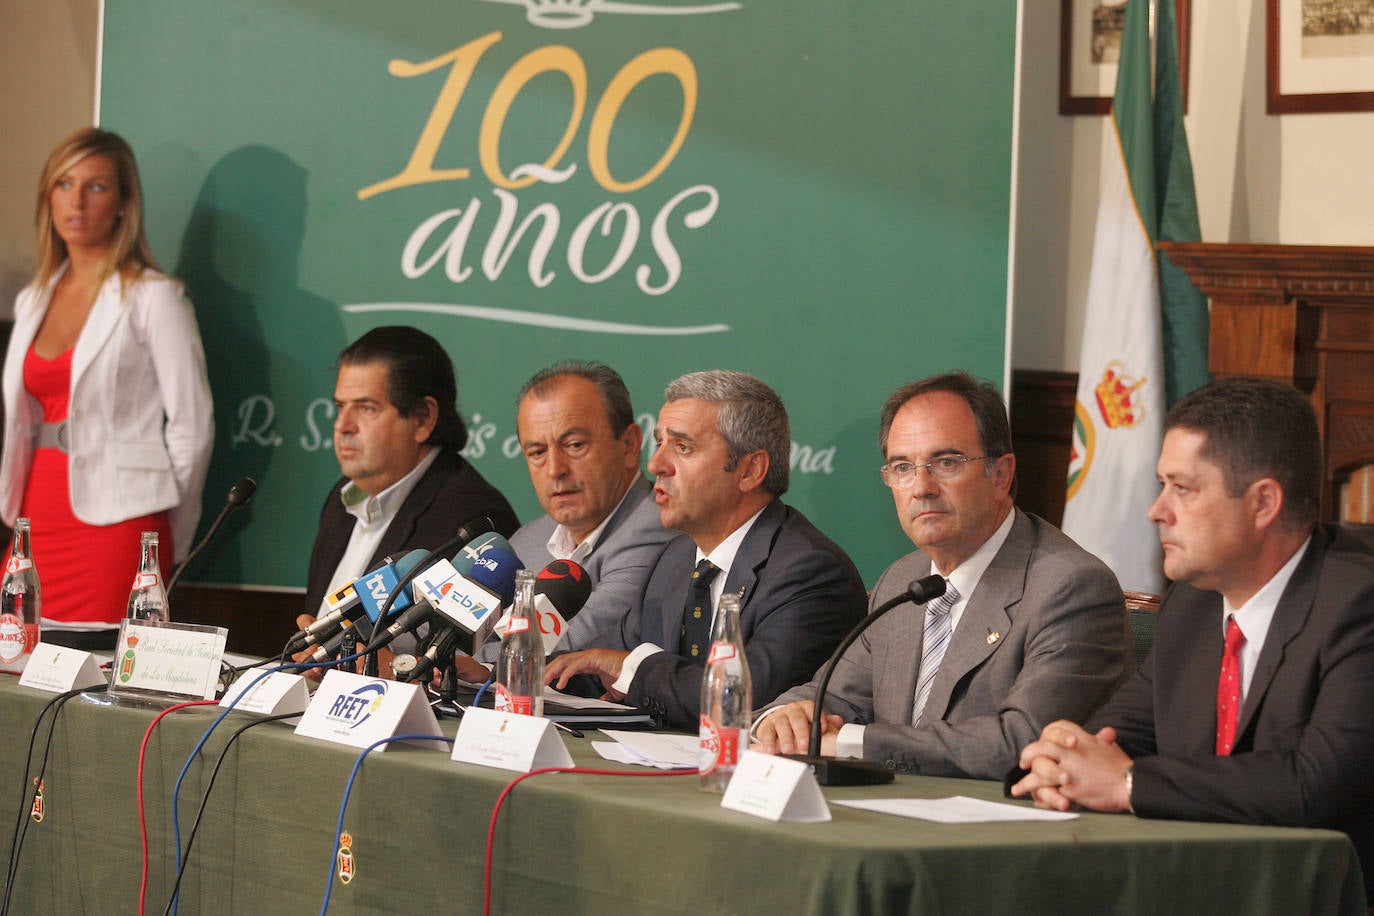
[{"x": 1228, "y": 689}]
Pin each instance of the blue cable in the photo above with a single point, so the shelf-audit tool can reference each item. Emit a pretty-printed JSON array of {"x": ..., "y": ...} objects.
[
  {"x": 343, "y": 803},
  {"x": 477, "y": 700},
  {"x": 176, "y": 790}
]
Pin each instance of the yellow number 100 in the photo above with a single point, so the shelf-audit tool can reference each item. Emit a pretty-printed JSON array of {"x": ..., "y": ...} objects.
[{"x": 556, "y": 58}]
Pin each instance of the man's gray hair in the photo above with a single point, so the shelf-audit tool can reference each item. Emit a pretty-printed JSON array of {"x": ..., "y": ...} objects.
[{"x": 752, "y": 418}]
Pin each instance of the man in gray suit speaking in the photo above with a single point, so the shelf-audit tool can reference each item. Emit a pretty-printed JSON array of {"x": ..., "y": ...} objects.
[
  {"x": 1030, "y": 624},
  {"x": 578, "y": 433}
]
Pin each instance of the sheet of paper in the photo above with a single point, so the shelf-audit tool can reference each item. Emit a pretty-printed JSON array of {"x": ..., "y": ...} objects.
[
  {"x": 657, "y": 750},
  {"x": 572, "y": 702},
  {"x": 958, "y": 809},
  {"x": 619, "y": 753}
]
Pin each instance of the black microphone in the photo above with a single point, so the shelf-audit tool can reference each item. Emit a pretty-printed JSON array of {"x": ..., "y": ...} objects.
[
  {"x": 848, "y": 771},
  {"x": 438, "y": 651},
  {"x": 362, "y": 627},
  {"x": 239, "y": 495}
]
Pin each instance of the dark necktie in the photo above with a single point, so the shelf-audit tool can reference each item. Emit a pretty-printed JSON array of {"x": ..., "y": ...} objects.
[
  {"x": 1228, "y": 689},
  {"x": 696, "y": 616}
]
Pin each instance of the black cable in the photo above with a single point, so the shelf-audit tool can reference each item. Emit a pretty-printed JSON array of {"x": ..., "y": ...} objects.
[
  {"x": 205, "y": 798},
  {"x": 21, "y": 822}
]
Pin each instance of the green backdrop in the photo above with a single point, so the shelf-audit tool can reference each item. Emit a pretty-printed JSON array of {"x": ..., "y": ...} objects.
[{"x": 814, "y": 191}]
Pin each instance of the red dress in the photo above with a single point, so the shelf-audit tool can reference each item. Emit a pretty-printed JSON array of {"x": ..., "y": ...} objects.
[{"x": 85, "y": 571}]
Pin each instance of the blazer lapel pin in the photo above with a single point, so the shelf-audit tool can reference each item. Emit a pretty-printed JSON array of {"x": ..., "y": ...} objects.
[{"x": 993, "y": 636}]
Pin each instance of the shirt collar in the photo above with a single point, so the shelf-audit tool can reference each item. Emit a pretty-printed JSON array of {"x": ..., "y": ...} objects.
[
  {"x": 561, "y": 546},
  {"x": 966, "y": 576},
  {"x": 1253, "y": 616},
  {"x": 724, "y": 554},
  {"x": 370, "y": 509}
]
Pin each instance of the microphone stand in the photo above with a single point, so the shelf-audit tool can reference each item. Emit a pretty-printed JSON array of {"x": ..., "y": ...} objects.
[
  {"x": 239, "y": 495},
  {"x": 849, "y": 771}
]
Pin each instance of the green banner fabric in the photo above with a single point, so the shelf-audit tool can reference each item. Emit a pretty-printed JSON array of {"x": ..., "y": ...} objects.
[{"x": 814, "y": 192}]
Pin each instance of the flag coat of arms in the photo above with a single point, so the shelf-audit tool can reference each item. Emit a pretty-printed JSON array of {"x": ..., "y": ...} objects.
[{"x": 1143, "y": 316}]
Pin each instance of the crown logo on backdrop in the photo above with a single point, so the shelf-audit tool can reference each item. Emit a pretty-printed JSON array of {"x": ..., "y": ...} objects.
[
  {"x": 1116, "y": 397},
  {"x": 573, "y": 14}
]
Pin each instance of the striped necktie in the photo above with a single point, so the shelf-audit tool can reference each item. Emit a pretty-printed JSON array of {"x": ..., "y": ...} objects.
[{"x": 938, "y": 630}]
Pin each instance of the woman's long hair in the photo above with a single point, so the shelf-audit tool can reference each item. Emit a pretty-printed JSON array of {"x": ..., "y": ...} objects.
[{"x": 128, "y": 253}]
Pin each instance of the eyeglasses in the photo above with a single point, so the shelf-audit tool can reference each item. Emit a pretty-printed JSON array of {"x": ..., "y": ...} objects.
[{"x": 901, "y": 475}]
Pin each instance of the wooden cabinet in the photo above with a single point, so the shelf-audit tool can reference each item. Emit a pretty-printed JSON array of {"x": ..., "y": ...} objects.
[{"x": 1302, "y": 314}]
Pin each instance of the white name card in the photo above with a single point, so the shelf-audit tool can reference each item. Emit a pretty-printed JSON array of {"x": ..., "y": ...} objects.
[
  {"x": 777, "y": 789},
  {"x": 359, "y": 711},
  {"x": 274, "y": 694},
  {"x": 174, "y": 660},
  {"x": 509, "y": 741},
  {"x": 58, "y": 669}
]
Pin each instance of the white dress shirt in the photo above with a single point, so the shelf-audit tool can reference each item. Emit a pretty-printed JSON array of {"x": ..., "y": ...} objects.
[
  {"x": 372, "y": 516},
  {"x": 1254, "y": 616}
]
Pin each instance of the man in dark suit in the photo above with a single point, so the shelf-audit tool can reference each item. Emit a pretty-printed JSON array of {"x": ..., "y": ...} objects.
[
  {"x": 577, "y": 430},
  {"x": 1254, "y": 705},
  {"x": 397, "y": 434},
  {"x": 720, "y": 467},
  {"x": 1031, "y": 627}
]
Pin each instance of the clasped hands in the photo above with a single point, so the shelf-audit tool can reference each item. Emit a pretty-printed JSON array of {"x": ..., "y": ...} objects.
[{"x": 1067, "y": 766}]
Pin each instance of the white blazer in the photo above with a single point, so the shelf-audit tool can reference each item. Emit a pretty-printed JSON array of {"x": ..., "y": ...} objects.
[{"x": 140, "y": 415}]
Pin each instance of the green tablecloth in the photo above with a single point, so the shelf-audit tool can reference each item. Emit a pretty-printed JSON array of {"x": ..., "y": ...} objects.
[{"x": 571, "y": 843}]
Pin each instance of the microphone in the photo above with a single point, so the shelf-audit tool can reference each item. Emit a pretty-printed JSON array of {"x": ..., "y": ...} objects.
[
  {"x": 466, "y": 533},
  {"x": 363, "y": 596},
  {"x": 438, "y": 651},
  {"x": 845, "y": 771},
  {"x": 239, "y": 495},
  {"x": 470, "y": 603},
  {"x": 330, "y": 647},
  {"x": 560, "y": 591}
]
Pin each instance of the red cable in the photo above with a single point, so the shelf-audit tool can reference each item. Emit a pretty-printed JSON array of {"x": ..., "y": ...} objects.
[
  {"x": 500, "y": 800},
  {"x": 142, "y": 821}
]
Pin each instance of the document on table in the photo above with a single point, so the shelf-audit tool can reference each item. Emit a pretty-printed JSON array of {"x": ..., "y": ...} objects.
[
  {"x": 665, "y": 752},
  {"x": 958, "y": 809}
]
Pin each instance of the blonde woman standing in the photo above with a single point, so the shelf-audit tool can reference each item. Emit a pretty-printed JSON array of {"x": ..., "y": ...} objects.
[{"x": 108, "y": 417}]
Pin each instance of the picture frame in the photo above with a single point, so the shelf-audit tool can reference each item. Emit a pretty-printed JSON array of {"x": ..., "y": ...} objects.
[
  {"x": 1319, "y": 57},
  {"x": 1087, "y": 59}
]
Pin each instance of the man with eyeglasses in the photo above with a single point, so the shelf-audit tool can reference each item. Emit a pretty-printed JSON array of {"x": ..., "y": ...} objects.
[{"x": 1030, "y": 624}]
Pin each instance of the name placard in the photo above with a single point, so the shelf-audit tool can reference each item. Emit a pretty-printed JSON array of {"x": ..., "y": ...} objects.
[
  {"x": 59, "y": 669},
  {"x": 277, "y": 694},
  {"x": 174, "y": 660},
  {"x": 358, "y": 711},
  {"x": 509, "y": 741},
  {"x": 777, "y": 789}
]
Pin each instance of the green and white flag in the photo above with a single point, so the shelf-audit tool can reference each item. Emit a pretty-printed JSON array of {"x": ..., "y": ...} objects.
[{"x": 1143, "y": 315}]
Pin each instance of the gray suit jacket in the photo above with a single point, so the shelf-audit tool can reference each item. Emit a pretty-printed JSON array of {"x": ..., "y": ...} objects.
[
  {"x": 799, "y": 596},
  {"x": 1044, "y": 636},
  {"x": 618, "y": 564}
]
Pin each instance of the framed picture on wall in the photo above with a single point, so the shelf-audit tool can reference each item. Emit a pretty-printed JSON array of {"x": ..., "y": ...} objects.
[
  {"x": 1320, "y": 55},
  {"x": 1089, "y": 46}
]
